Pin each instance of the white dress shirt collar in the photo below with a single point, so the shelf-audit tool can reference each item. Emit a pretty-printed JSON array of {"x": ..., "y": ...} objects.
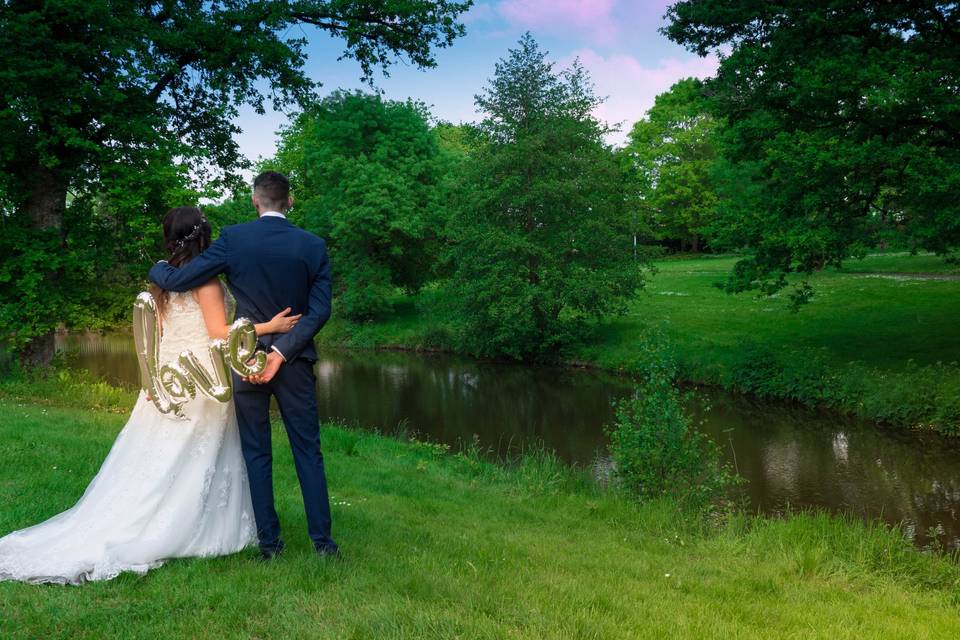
[{"x": 272, "y": 214}]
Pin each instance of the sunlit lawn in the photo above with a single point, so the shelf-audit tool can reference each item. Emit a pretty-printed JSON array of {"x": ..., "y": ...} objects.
[
  {"x": 855, "y": 315},
  {"x": 444, "y": 546}
]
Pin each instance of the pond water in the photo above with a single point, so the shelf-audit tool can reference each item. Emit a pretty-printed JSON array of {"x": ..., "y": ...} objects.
[{"x": 791, "y": 457}]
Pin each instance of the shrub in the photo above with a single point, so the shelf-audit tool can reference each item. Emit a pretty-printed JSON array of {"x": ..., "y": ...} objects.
[
  {"x": 656, "y": 448},
  {"x": 756, "y": 371},
  {"x": 437, "y": 337},
  {"x": 67, "y": 388}
]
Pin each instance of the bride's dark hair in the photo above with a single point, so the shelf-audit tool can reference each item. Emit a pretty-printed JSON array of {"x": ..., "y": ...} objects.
[{"x": 186, "y": 234}]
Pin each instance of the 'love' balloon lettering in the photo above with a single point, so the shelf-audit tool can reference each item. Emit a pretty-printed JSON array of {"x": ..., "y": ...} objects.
[{"x": 172, "y": 384}]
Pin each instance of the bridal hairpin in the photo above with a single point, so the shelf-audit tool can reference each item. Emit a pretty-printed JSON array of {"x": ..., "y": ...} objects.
[{"x": 193, "y": 235}]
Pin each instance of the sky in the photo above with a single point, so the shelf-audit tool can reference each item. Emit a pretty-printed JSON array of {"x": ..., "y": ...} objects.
[{"x": 617, "y": 41}]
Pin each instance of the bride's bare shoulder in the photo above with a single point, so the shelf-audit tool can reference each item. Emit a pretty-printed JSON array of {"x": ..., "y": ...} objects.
[
  {"x": 210, "y": 299},
  {"x": 208, "y": 291}
]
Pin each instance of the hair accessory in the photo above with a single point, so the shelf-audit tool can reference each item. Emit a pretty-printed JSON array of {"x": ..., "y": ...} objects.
[{"x": 193, "y": 235}]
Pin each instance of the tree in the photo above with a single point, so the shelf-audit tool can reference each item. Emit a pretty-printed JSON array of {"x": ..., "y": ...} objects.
[
  {"x": 234, "y": 210},
  {"x": 366, "y": 174},
  {"x": 109, "y": 237},
  {"x": 671, "y": 156},
  {"x": 539, "y": 240},
  {"x": 87, "y": 85},
  {"x": 843, "y": 119}
]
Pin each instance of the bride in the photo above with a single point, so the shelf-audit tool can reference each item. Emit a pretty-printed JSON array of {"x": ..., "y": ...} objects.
[{"x": 169, "y": 488}]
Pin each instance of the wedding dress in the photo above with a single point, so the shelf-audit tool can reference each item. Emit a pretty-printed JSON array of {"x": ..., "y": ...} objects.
[{"x": 170, "y": 488}]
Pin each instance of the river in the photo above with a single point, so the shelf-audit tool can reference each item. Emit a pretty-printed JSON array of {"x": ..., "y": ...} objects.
[{"x": 791, "y": 457}]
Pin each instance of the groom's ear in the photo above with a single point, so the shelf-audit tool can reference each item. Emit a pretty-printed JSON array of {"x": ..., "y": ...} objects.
[{"x": 289, "y": 201}]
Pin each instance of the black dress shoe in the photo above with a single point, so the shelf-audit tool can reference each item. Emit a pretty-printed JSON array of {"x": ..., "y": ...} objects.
[
  {"x": 271, "y": 553},
  {"x": 328, "y": 551}
]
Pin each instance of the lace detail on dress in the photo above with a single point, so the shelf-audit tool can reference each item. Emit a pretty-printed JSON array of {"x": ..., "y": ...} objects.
[{"x": 183, "y": 328}]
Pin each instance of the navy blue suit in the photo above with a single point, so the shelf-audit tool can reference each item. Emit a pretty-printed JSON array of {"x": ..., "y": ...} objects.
[{"x": 271, "y": 264}]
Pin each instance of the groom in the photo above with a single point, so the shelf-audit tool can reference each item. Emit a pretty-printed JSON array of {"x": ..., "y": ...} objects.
[{"x": 270, "y": 264}]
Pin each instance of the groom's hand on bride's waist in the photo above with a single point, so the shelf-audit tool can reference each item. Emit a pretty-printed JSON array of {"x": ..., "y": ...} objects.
[{"x": 274, "y": 360}]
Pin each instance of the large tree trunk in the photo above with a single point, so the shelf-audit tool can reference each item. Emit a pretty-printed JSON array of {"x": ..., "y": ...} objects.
[
  {"x": 45, "y": 205},
  {"x": 47, "y": 199},
  {"x": 39, "y": 352}
]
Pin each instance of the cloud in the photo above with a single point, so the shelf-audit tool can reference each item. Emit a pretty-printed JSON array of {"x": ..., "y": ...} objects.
[
  {"x": 478, "y": 13},
  {"x": 631, "y": 86},
  {"x": 593, "y": 19},
  {"x": 598, "y": 22}
]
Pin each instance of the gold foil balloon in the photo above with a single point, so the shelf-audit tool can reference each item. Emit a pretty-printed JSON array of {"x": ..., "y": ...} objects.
[
  {"x": 216, "y": 383},
  {"x": 241, "y": 349},
  {"x": 177, "y": 382},
  {"x": 146, "y": 339},
  {"x": 172, "y": 384}
]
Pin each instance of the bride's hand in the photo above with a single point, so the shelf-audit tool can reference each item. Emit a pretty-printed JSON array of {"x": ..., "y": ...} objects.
[{"x": 283, "y": 322}]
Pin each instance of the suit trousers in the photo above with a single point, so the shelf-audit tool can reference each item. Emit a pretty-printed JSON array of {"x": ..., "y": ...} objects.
[{"x": 294, "y": 387}]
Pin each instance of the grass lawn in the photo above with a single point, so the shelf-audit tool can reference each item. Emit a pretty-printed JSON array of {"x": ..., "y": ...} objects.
[
  {"x": 868, "y": 313},
  {"x": 858, "y": 314},
  {"x": 448, "y": 546},
  {"x": 902, "y": 262}
]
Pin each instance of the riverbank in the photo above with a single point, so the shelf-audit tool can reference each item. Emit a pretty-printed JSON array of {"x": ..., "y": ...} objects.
[
  {"x": 878, "y": 340},
  {"x": 444, "y": 545}
]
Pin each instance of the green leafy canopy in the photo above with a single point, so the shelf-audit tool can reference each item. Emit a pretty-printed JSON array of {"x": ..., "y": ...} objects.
[
  {"x": 842, "y": 128},
  {"x": 670, "y": 158},
  {"x": 368, "y": 176},
  {"x": 87, "y": 86}
]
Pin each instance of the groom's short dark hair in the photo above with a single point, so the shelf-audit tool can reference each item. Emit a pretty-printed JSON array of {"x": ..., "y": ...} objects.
[{"x": 272, "y": 188}]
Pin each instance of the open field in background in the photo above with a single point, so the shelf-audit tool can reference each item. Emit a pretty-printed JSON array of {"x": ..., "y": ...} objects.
[
  {"x": 873, "y": 341},
  {"x": 438, "y": 545},
  {"x": 902, "y": 262},
  {"x": 858, "y": 314}
]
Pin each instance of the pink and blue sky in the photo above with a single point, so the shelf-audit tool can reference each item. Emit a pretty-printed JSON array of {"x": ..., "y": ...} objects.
[{"x": 616, "y": 40}]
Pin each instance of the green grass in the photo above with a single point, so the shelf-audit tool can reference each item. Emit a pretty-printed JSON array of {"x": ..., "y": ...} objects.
[
  {"x": 885, "y": 348},
  {"x": 871, "y": 342},
  {"x": 902, "y": 262},
  {"x": 416, "y": 323},
  {"x": 880, "y": 322},
  {"x": 449, "y": 546}
]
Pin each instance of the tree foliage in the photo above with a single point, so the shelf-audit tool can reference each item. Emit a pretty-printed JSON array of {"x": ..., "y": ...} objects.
[
  {"x": 843, "y": 121},
  {"x": 86, "y": 273},
  {"x": 539, "y": 240},
  {"x": 367, "y": 175},
  {"x": 656, "y": 446},
  {"x": 89, "y": 85},
  {"x": 670, "y": 159}
]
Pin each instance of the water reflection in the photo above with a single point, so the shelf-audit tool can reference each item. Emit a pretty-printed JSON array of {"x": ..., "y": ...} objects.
[
  {"x": 797, "y": 458},
  {"x": 791, "y": 457},
  {"x": 452, "y": 400}
]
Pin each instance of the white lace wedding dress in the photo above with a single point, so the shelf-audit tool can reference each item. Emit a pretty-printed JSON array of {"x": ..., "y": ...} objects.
[{"x": 169, "y": 488}]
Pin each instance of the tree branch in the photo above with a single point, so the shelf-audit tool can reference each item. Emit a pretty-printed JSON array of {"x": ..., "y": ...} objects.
[{"x": 182, "y": 62}]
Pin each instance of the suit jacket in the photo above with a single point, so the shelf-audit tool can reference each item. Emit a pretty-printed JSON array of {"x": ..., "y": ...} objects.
[{"x": 270, "y": 264}]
